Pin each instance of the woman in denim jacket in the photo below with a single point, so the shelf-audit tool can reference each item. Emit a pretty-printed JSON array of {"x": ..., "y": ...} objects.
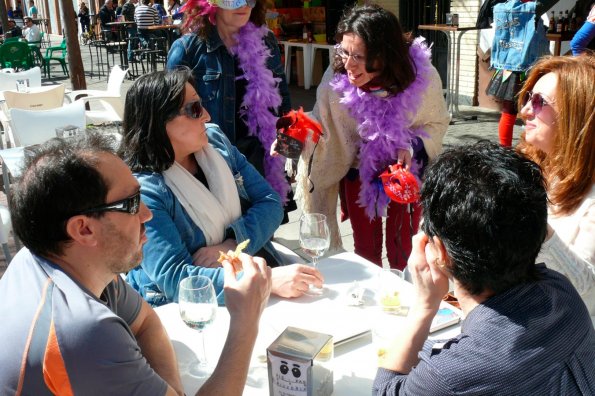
[
  {"x": 205, "y": 197},
  {"x": 518, "y": 42},
  {"x": 238, "y": 73}
]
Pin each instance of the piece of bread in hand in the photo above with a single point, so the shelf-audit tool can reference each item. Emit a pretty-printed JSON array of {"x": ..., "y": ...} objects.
[{"x": 234, "y": 257}]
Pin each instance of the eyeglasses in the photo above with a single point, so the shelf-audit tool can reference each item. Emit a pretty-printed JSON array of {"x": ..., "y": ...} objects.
[
  {"x": 537, "y": 101},
  {"x": 129, "y": 205},
  {"x": 357, "y": 59},
  {"x": 193, "y": 110}
]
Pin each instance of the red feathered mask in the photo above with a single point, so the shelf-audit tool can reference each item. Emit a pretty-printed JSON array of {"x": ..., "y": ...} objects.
[
  {"x": 400, "y": 185},
  {"x": 292, "y": 132}
]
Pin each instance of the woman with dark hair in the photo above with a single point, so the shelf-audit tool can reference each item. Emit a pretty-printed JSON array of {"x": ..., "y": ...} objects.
[
  {"x": 237, "y": 71},
  {"x": 205, "y": 197},
  {"x": 380, "y": 103},
  {"x": 557, "y": 105}
]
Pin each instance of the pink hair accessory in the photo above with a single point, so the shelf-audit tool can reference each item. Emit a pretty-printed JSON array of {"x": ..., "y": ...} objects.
[{"x": 204, "y": 7}]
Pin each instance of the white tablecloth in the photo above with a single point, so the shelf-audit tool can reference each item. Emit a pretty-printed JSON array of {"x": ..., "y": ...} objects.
[{"x": 354, "y": 361}]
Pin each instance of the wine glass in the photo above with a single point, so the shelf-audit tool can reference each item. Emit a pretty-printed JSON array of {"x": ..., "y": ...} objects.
[
  {"x": 198, "y": 307},
  {"x": 314, "y": 238}
]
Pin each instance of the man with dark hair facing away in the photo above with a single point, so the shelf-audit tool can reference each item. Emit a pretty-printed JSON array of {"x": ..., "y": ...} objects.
[
  {"x": 526, "y": 329},
  {"x": 72, "y": 324}
]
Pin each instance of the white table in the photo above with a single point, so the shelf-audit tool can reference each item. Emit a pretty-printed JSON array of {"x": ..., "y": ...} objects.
[
  {"x": 355, "y": 361},
  {"x": 307, "y": 55}
]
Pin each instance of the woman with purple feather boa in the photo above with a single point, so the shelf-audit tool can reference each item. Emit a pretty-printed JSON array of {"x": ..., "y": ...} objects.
[
  {"x": 236, "y": 64},
  {"x": 379, "y": 103}
]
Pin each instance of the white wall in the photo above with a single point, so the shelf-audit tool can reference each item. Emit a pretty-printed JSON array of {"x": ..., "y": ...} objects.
[{"x": 467, "y": 10}]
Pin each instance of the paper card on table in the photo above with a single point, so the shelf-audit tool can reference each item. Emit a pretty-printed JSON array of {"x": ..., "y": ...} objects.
[{"x": 344, "y": 323}]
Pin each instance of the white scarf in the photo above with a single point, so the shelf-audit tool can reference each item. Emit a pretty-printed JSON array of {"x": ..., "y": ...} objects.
[{"x": 211, "y": 209}]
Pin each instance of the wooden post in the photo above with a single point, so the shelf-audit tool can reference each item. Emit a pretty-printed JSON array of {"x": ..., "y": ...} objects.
[
  {"x": 77, "y": 73},
  {"x": 4, "y": 16}
]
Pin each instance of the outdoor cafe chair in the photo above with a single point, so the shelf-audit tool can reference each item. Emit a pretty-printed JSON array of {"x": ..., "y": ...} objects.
[
  {"x": 110, "y": 100},
  {"x": 48, "y": 98},
  {"x": 35, "y": 127},
  {"x": 114, "y": 84},
  {"x": 56, "y": 53},
  {"x": 16, "y": 54},
  {"x": 5, "y": 230},
  {"x": 43, "y": 100},
  {"x": 8, "y": 80}
]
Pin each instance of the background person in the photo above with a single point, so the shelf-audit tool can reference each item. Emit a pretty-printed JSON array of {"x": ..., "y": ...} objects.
[
  {"x": 107, "y": 15},
  {"x": 237, "y": 70},
  {"x": 584, "y": 37},
  {"x": 32, "y": 33},
  {"x": 518, "y": 42},
  {"x": 375, "y": 104},
  {"x": 526, "y": 330},
  {"x": 96, "y": 335},
  {"x": 13, "y": 29},
  {"x": 172, "y": 7},
  {"x": 558, "y": 107},
  {"x": 32, "y": 12},
  {"x": 204, "y": 195},
  {"x": 146, "y": 16},
  {"x": 84, "y": 18},
  {"x": 131, "y": 30}
]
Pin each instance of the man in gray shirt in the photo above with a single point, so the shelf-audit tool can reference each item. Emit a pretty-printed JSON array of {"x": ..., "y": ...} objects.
[
  {"x": 526, "y": 330},
  {"x": 75, "y": 326}
]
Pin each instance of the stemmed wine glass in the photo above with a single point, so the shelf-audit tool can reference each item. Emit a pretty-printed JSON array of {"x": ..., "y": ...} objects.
[
  {"x": 314, "y": 238},
  {"x": 198, "y": 307}
]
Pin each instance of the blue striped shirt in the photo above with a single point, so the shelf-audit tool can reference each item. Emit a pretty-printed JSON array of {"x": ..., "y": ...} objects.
[{"x": 534, "y": 339}]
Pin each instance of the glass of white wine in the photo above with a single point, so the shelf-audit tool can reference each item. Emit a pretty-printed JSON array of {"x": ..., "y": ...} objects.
[
  {"x": 314, "y": 239},
  {"x": 198, "y": 307}
]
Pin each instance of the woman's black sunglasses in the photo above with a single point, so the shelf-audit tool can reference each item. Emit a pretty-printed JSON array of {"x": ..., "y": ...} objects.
[{"x": 193, "y": 110}]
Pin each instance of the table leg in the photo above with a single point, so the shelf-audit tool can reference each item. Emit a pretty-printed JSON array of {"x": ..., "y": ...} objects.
[
  {"x": 5, "y": 180},
  {"x": 557, "y": 45},
  {"x": 287, "y": 50},
  {"x": 308, "y": 59}
]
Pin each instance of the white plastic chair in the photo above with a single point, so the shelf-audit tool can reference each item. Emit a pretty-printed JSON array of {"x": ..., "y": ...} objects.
[
  {"x": 44, "y": 98},
  {"x": 5, "y": 229},
  {"x": 8, "y": 81},
  {"x": 34, "y": 127},
  {"x": 51, "y": 98},
  {"x": 114, "y": 84},
  {"x": 111, "y": 102}
]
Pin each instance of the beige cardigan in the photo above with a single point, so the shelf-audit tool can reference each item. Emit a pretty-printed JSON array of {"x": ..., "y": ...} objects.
[{"x": 338, "y": 148}]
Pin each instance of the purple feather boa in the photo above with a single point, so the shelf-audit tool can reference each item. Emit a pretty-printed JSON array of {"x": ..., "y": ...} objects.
[
  {"x": 261, "y": 96},
  {"x": 384, "y": 125}
]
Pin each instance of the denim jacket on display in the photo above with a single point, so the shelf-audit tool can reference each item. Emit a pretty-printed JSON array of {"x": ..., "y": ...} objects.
[
  {"x": 173, "y": 237},
  {"x": 214, "y": 74},
  {"x": 520, "y": 36}
]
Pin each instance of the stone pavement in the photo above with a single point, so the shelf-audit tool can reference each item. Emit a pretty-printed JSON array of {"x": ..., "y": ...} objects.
[{"x": 463, "y": 130}]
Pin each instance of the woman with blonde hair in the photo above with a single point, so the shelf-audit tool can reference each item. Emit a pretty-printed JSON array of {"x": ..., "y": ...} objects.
[{"x": 558, "y": 105}]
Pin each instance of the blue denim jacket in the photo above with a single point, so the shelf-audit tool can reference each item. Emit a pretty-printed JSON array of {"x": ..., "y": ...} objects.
[
  {"x": 214, "y": 74},
  {"x": 173, "y": 237},
  {"x": 520, "y": 36}
]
